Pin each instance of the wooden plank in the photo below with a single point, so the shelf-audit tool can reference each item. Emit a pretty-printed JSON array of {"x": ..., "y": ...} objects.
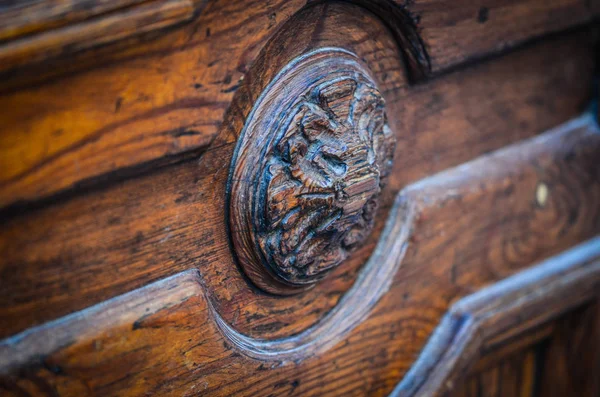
[
  {"x": 109, "y": 241},
  {"x": 119, "y": 110},
  {"x": 455, "y": 32},
  {"x": 436, "y": 249},
  {"x": 64, "y": 41},
  {"x": 515, "y": 378},
  {"x": 24, "y": 17},
  {"x": 570, "y": 362},
  {"x": 560, "y": 358},
  {"x": 164, "y": 338},
  {"x": 114, "y": 110},
  {"x": 524, "y": 300}
]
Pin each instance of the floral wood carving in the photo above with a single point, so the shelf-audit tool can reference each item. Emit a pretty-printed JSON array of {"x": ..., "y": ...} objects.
[{"x": 310, "y": 186}]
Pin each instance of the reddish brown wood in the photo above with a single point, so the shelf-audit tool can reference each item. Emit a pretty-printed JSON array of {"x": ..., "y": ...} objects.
[
  {"x": 121, "y": 109},
  {"x": 110, "y": 241},
  {"x": 559, "y": 359},
  {"x": 22, "y": 18},
  {"x": 88, "y": 353},
  {"x": 85, "y": 34},
  {"x": 570, "y": 360},
  {"x": 510, "y": 307},
  {"x": 458, "y": 31},
  {"x": 118, "y": 274},
  {"x": 175, "y": 336}
]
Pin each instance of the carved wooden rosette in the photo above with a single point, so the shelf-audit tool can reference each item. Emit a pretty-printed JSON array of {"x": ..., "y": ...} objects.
[{"x": 307, "y": 172}]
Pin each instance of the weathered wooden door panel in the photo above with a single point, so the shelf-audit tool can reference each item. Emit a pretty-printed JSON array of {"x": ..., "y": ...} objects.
[{"x": 362, "y": 197}]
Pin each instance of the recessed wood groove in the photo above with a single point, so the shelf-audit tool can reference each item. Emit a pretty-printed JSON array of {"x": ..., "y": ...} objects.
[{"x": 533, "y": 296}]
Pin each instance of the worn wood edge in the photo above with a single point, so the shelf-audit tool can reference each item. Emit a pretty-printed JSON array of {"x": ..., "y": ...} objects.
[
  {"x": 373, "y": 282},
  {"x": 375, "y": 279},
  {"x": 99, "y": 30},
  {"x": 26, "y": 347},
  {"x": 443, "y": 185},
  {"x": 29, "y": 345},
  {"x": 559, "y": 284},
  {"x": 26, "y": 17}
]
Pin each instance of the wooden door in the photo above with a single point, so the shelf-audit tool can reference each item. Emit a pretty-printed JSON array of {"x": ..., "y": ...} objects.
[{"x": 367, "y": 197}]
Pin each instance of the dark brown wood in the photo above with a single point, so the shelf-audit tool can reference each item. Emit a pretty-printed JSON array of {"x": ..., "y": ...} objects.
[
  {"x": 299, "y": 198},
  {"x": 31, "y": 32},
  {"x": 176, "y": 336},
  {"x": 308, "y": 170},
  {"x": 121, "y": 109},
  {"x": 24, "y": 17},
  {"x": 561, "y": 358},
  {"x": 88, "y": 353},
  {"x": 570, "y": 359},
  {"x": 504, "y": 310},
  {"x": 107, "y": 242},
  {"x": 458, "y": 31},
  {"x": 511, "y": 376}
]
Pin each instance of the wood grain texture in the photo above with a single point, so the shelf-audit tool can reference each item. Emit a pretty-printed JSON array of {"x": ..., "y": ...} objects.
[
  {"x": 122, "y": 109},
  {"x": 175, "y": 335},
  {"x": 570, "y": 359},
  {"x": 143, "y": 18},
  {"x": 454, "y": 32},
  {"x": 162, "y": 339},
  {"x": 24, "y": 17},
  {"x": 308, "y": 170},
  {"x": 129, "y": 108},
  {"x": 560, "y": 358},
  {"x": 107, "y": 242},
  {"x": 510, "y": 376},
  {"x": 516, "y": 304}
]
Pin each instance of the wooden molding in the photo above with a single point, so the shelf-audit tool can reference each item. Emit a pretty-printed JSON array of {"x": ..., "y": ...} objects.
[
  {"x": 308, "y": 170},
  {"x": 504, "y": 310},
  {"x": 98, "y": 103},
  {"x": 36, "y": 31},
  {"x": 439, "y": 233}
]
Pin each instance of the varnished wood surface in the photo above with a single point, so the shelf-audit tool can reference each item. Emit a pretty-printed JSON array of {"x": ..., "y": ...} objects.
[
  {"x": 461, "y": 31},
  {"x": 173, "y": 336},
  {"x": 324, "y": 162},
  {"x": 144, "y": 103},
  {"x": 500, "y": 312},
  {"x": 561, "y": 358},
  {"x": 109, "y": 241},
  {"x": 87, "y": 33},
  {"x": 511, "y": 376},
  {"x": 24, "y": 17},
  {"x": 570, "y": 359},
  {"x": 126, "y": 345},
  {"x": 118, "y": 274}
]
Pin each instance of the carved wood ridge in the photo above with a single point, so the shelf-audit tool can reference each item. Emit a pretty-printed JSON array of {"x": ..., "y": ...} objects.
[
  {"x": 506, "y": 309},
  {"x": 176, "y": 322}
]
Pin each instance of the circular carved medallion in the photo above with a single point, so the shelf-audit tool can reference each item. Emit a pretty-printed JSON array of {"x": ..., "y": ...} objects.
[{"x": 308, "y": 170}]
